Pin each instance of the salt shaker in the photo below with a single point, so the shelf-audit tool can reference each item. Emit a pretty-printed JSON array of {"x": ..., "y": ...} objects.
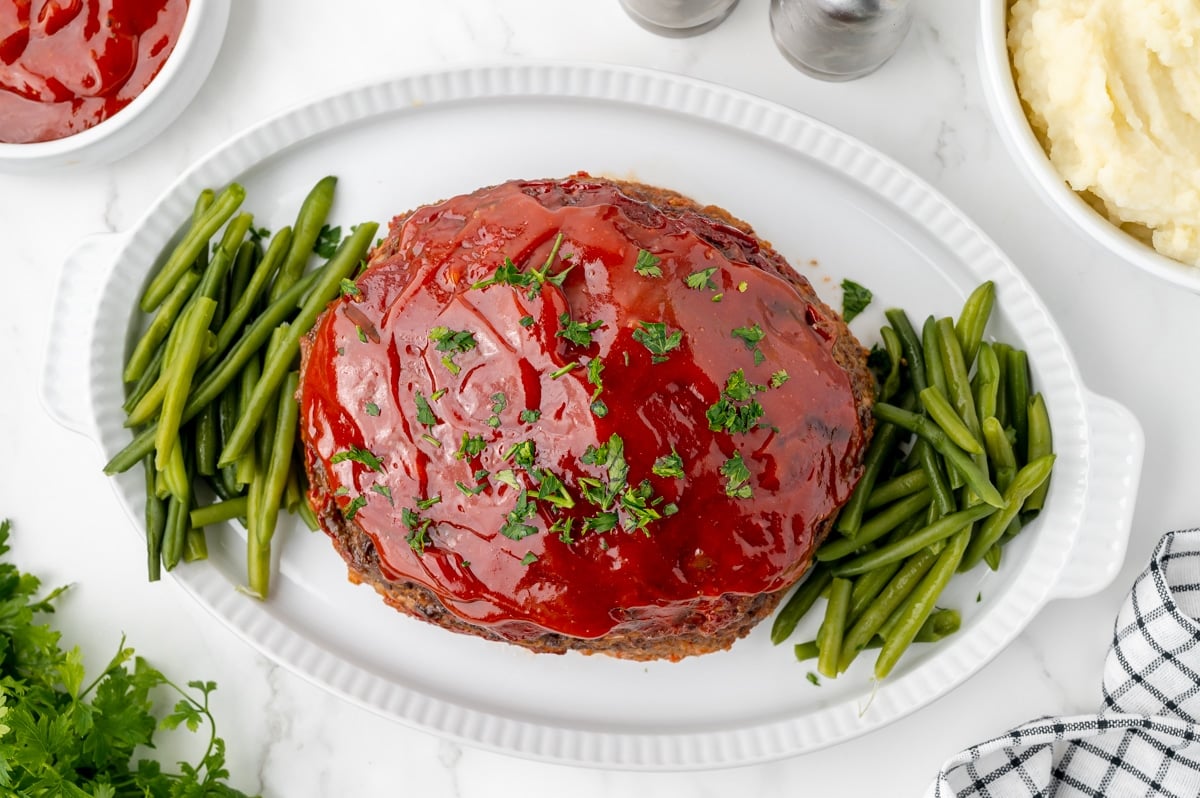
[
  {"x": 839, "y": 39},
  {"x": 678, "y": 17}
]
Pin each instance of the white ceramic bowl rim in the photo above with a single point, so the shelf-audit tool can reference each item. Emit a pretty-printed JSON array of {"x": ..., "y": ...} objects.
[
  {"x": 1001, "y": 92},
  {"x": 76, "y": 142}
]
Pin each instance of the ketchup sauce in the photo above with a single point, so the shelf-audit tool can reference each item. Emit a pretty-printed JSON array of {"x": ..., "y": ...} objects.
[
  {"x": 67, "y": 65},
  {"x": 390, "y": 407}
]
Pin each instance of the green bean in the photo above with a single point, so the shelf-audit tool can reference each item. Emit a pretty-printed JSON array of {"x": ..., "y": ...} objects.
[
  {"x": 1030, "y": 475},
  {"x": 939, "y": 409},
  {"x": 309, "y": 517},
  {"x": 305, "y": 232},
  {"x": 147, "y": 380},
  {"x": 935, "y": 374},
  {"x": 993, "y": 555},
  {"x": 833, "y": 628},
  {"x": 1017, "y": 387},
  {"x": 807, "y": 650},
  {"x": 957, "y": 382},
  {"x": 246, "y": 466},
  {"x": 867, "y": 588},
  {"x": 195, "y": 545},
  {"x": 222, "y": 374},
  {"x": 935, "y": 476},
  {"x": 213, "y": 277},
  {"x": 999, "y": 452},
  {"x": 195, "y": 241},
  {"x": 175, "y": 477},
  {"x": 192, "y": 325},
  {"x": 1040, "y": 444},
  {"x": 986, "y": 385},
  {"x": 876, "y": 526},
  {"x": 207, "y": 437},
  {"x": 898, "y": 487},
  {"x": 249, "y": 255},
  {"x": 274, "y": 482},
  {"x": 275, "y": 370},
  {"x": 957, "y": 458},
  {"x": 227, "y": 405},
  {"x": 1002, "y": 412},
  {"x": 146, "y": 347},
  {"x": 885, "y": 604},
  {"x": 291, "y": 490},
  {"x": 940, "y": 624},
  {"x": 219, "y": 512},
  {"x": 941, "y": 529},
  {"x": 911, "y": 346},
  {"x": 973, "y": 319},
  {"x": 254, "y": 289},
  {"x": 883, "y": 442},
  {"x": 800, "y": 602},
  {"x": 156, "y": 522},
  {"x": 178, "y": 508},
  {"x": 891, "y": 345},
  {"x": 920, "y": 603}
]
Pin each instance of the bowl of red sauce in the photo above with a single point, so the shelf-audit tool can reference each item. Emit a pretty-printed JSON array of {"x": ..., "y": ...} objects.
[{"x": 83, "y": 82}]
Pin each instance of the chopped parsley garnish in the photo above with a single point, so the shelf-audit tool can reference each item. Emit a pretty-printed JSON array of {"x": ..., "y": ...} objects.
[
  {"x": 855, "y": 299},
  {"x": 742, "y": 286},
  {"x": 508, "y": 274},
  {"x": 514, "y": 526},
  {"x": 601, "y": 522},
  {"x": 372, "y": 409},
  {"x": 357, "y": 455},
  {"x": 508, "y": 477},
  {"x": 647, "y": 264},
  {"x": 637, "y": 504},
  {"x": 717, "y": 297},
  {"x": 356, "y": 504},
  {"x": 418, "y": 529},
  {"x": 813, "y": 678},
  {"x": 431, "y": 440},
  {"x": 471, "y": 446},
  {"x": 259, "y": 233},
  {"x": 425, "y": 414},
  {"x": 480, "y": 484},
  {"x": 702, "y": 279},
  {"x": 342, "y": 491},
  {"x": 654, "y": 336},
  {"x": 530, "y": 416},
  {"x": 669, "y": 465},
  {"x": 563, "y": 526},
  {"x": 362, "y": 334},
  {"x": 736, "y": 410},
  {"x": 493, "y": 422},
  {"x": 527, "y": 321},
  {"x": 595, "y": 367},
  {"x": 529, "y": 559},
  {"x": 452, "y": 342},
  {"x": 384, "y": 491},
  {"x": 737, "y": 478},
  {"x": 438, "y": 394},
  {"x": 425, "y": 504},
  {"x": 751, "y": 334},
  {"x": 522, "y": 453},
  {"x": 551, "y": 489},
  {"x": 779, "y": 378},
  {"x": 554, "y": 375},
  {"x": 599, "y": 408},
  {"x": 499, "y": 402},
  {"x": 349, "y": 288},
  {"x": 327, "y": 241},
  {"x": 577, "y": 332}
]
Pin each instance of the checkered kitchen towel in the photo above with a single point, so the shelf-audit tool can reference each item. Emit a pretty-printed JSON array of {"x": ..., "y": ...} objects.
[{"x": 1146, "y": 739}]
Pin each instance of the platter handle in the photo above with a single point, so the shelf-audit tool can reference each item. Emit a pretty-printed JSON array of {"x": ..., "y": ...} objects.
[
  {"x": 66, "y": 372},
  {"x": 1113, "y": 475}
]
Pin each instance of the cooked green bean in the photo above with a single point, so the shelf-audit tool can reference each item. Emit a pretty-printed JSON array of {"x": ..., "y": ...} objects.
[
  {"x": 193, "y": 324},
  {"x": 1028, "y": 478},
  {"x": 999, "y": 452},
  {"x": 940, "y": 624},
  {"x": 897, "y": 487},
  {"x": 1039, "y": 443},
  {"x": 274, "y": 482},
  {"x": 833, "y": 628},
  {"x": 807, "y": 650},
  {"x": 935, "y": 476},
  {"x": 213, "y": 277},
  {"x": 883, "y": 442},
  {"x": 911, "y": 346},
  {"x": 195, "y": 545},
  {"x": 341, "y": 266},
  {"x": 219, "y": 512},
  {"x": 957, "y": 382},
  {"x": 1002, "y": 411},
  {"x": 973, "y": 319},
  {"x": 935, "y": 374},
  {"x": 249, "y": 255},
  {"x": 1017, "y": 387},
  {"x": 876, "y": 526},
  {"x": 939, "y": 409},
  {"x": 941, "y": 529},
  {"x": 895, "y": 352},
  {"x": 147, "y": 380},
  {"x": 309, "y": 517},
  {"x": 920, "y": 604},
  {"x": 986, "y": 385},
  {"x": 194, "y": 242},
  {"x": 205, "y": 430},
  {"x": 889, "y": 599},
  {"x": 312, "y": 215},
  {"x": 246, "y": 466},
  {"x": 957, "y": 458},
  {"x": 867, "y": 588},
  {"x": 800, "y": 602},
  {"x": 160, "y": 326},
  {"x": 248, "y": 298},
  {"x": 156, "y": 522}
]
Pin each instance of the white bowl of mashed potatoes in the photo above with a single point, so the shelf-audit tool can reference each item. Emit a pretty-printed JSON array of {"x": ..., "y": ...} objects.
[{"x": 1100, "y": 101}]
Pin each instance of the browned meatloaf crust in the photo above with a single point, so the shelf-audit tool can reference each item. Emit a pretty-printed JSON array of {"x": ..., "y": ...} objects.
[{"x": 704, "y": 625}]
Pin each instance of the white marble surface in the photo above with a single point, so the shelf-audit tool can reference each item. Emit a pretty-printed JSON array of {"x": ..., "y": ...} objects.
[{"x": 1134, "y": 339}]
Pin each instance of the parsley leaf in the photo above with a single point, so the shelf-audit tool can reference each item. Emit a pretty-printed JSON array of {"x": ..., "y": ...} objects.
[
  {"x": 372, "y": 409},
  {"x": 327, "y": 241},
  {"x": 595, "y": 367},
  {"x": 529, "y": 558},
  {"x": 452, "y": 342},
  {"x": 514, "y": 527},
  {"x": 530, "y": 416},
  {"x": 647, "y": 264},
  {"x": 425, "y": 414},
  {"x": 471, "y": 446},
  {"x": 737, "y": 477},
  {"x": 779, "y": 378},
  {"x": 349, "y": 288},
  {"x": 577, "y": 332},
  {"x": 751, "y": 334},
  {"x": 385, "y": 492},
  {"x": 701, "y": 279},
  {"x": 356, "y": 504},
  {"x": 357, "y": 455},
  {"x": 418, "y": 529},
  {"x": 527, "y": 321},
  {"x": 855, "y": 299},
  {"x": 654, "y": 336},
  {"x": 669, "y": 465}
]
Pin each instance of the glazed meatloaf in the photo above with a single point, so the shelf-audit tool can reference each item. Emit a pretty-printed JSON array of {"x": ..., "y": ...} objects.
[{"x": 581, "y": 414}]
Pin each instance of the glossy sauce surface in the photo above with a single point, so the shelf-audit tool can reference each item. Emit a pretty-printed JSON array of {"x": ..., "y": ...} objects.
[
  {"x": 67, "y": 65},
  {"x": 371, "y": 355}
]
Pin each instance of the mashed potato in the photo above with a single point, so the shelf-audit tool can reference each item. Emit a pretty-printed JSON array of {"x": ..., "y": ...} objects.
[{"x": 1112, "y": 88}]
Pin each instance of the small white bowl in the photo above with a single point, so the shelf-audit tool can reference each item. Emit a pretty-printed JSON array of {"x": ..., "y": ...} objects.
[
  {"x": 167, "y": 95},
  {"x": 1001, "y": 92}
]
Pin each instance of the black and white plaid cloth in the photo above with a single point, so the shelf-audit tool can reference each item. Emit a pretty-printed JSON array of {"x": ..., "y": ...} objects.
[{"x": 1146, "y": 739}]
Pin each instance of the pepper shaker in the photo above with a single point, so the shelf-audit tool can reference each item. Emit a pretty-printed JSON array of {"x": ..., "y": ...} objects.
[
  {"x": 678, "y": 17},
  {"x": 839, "y": 39}
]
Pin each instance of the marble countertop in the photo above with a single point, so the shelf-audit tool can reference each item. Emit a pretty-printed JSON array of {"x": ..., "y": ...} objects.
[{"x": 1132, "y": 335}]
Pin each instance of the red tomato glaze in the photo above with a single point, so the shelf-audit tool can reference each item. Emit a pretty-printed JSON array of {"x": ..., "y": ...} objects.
[
  {"x": 371, "y": 356},
  {"x": 67, "y": 65}
]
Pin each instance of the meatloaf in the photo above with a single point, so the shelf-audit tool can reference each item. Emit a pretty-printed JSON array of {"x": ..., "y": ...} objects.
[{"x": 581, "y": 414}]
